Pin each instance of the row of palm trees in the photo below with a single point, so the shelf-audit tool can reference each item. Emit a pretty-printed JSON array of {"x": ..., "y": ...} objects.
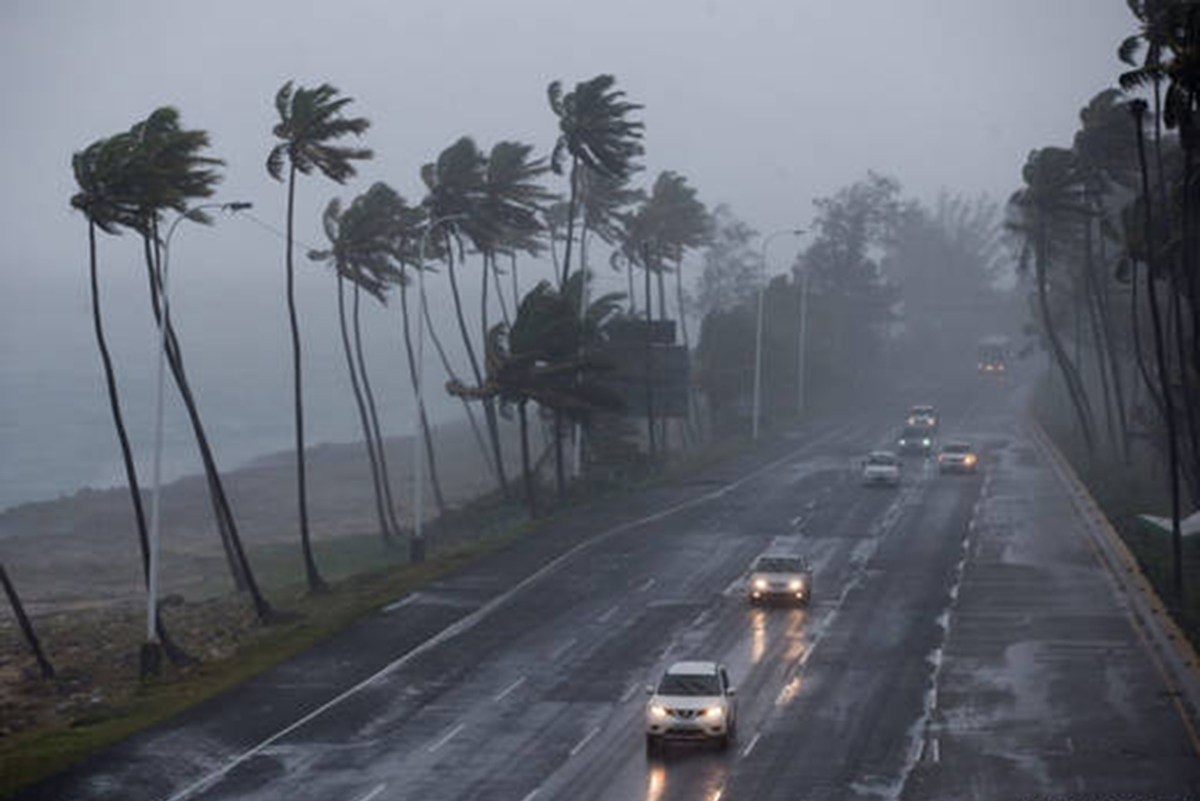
[
  {"x": 1109, "y": 227},
  {"x": 480, "y": 210}
]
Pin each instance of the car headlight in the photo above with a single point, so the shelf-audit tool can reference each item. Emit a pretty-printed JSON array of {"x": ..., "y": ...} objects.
[
  {"x": 658, "y": 711},
  {"x": 970, "y": 459},
  {"x": 760, "y": 584},
  {"x": 795, "y": 585},
  {"x": 926, "y": 443},
  {"x": 713, "y": 713}
]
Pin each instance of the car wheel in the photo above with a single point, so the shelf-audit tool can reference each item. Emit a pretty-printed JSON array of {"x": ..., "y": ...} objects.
[
  {"x": 723, "y": 742},
  {"x": 652, "y": 745}
]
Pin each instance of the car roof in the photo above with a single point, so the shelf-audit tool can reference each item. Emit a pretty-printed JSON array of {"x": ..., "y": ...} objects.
[
  {"x": 920, "y": 407},
  {"x": 877, "y": 454},
  {"x": 955, "y": 445},
  {"x": 693, "y": 669}
]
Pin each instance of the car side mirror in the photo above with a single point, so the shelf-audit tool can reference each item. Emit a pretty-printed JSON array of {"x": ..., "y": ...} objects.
[
  {"x": 732, "y": 691},
  {"x": 649, "y": 689}
]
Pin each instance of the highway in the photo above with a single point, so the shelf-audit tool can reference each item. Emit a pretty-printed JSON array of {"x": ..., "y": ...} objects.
[{"x": 964, "y": 641}]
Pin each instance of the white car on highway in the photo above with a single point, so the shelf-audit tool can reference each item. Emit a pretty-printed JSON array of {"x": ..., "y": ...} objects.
[
  {"x": 881, "y": 467},
  {"x": 784, "y": 577},
  {"x": 692, "y": 701}
]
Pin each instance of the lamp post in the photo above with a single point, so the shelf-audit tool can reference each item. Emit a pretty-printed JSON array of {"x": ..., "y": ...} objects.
[
  {"x": 758, "y": 328},
  {"x": 150, "y": 652},
  {"x": 416, "y": 548}
]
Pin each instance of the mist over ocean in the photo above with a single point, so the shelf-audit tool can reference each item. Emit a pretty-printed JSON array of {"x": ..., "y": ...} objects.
[{"x": 56, "y": 430}]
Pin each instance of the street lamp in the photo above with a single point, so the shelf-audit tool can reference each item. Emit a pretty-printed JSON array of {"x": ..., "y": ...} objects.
[
  {"x": 758, "y": 328},
  {"x": 196, "y": 214},
  {"x": 416, "y": 549}
]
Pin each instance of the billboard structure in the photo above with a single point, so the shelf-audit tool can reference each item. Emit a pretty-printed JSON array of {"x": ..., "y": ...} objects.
[{"x": 646, "y": 369}]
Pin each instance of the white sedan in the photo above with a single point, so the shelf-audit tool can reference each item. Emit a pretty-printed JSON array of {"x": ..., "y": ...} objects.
[{"x": 881, "y": 467}]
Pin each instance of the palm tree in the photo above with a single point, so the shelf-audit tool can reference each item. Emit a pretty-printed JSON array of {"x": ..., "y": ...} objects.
[
  {"x": 537, "y": 359},
  {"x": 458, "y": 192},
  {"x": 310, "y": 121},
  {"x": 1044, "y": 209},
  {"x": 348, "y": 249},
  {"x": 1138, "y": 109},
  {"x": 596, "y": 132}
]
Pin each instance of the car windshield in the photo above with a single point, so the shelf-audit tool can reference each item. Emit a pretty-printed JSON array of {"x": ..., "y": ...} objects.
[
  {"x": 779, "y": 564},
  {"x": 957, "y": 447},
  {"x": 886, "y": 461},
  {"x": 689, "y": 684},
  {"x": 916, "y": 432}
]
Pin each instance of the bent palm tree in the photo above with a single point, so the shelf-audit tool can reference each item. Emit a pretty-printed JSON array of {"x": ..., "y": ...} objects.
[
  {"x": 596, "y": 132},
  {"x": 310, "y": 121}
]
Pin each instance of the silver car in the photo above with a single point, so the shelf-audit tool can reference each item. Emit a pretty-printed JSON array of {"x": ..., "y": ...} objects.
[
  {"x": 692, "y": 701},
  {"x": 780, "y": 577}
]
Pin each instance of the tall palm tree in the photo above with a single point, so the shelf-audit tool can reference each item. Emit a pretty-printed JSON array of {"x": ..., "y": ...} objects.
[
  {"x": 1045, "y": 208},
  {"x": 597, "y": 133},
  {"x": 346, "y": 251},
  {"x": 166, "y": 171},
  {"x": 457, "y": 192},
  {"x": 310, "y": 121},
  {"x": 1138, "y": 109}
]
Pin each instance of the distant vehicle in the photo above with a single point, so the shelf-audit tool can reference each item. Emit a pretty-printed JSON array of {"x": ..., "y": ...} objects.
[
  {"x": 693, "y": 701},
  {"x": 916, "y": 439},
  {"x": 993, "y": 356},
  {"x": 780, "y": 577},
  {"x": 922, "y": 415},
  {"x": 957, "y": 457},
  {"x": 881, "y": 467}
]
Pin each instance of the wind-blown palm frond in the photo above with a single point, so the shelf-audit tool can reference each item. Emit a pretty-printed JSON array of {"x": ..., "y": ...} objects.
[{"x": 309, "y": 121}]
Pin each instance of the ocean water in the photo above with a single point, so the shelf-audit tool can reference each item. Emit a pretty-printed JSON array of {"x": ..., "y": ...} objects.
[{"x": 56, "y": 430}]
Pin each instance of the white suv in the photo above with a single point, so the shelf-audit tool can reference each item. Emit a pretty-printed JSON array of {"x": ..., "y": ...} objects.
[{"x": 693, "y": 701}]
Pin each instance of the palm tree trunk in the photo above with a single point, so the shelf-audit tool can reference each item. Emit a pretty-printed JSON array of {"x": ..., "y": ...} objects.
[
  {"x": 566, "y": 265},
  {"x": 504, "y": 315},
  {"x": 1163, "y": 378},
  {"x": 489, "y": 403},
  {"x": 315, "y": 582},
  {"x": 221, "y": 513},
  {"x": 1181, "y": 266},
  {"x": 430, "y": 455},
  {"x": 489, "y": 409},
  {"x": 526, "y": 468},
  {"x": 445, "y": 360},
  {"x": 368, "y": 439},
  {"x": 516, "y": 290},
  {"x": 649, "y": 359},
  {"x": 1089, "y": 299},
  {"x": 385, "y": 479},
  {"x": 31, "y": 637},
  {"x": 1065, "y": 366},
  {"x": 239, "y": 565},
  {"x": 1103, "y": 302}
]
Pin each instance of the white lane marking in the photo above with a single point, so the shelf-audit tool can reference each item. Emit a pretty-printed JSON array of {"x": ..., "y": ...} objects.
[
  {"x": 378, "y": 789},
  {"x": 562, "y": 649},
  {"x": 405, "y": 601},
  {"x": 633, "y": 688},
  {"x": 450, "y": 735},
  {"x": 607, "y": 616},
  {"x": 504, "y": 693},
  {"x": 1070, "y": 746},
  {"x": 937, "y": 749},
  {"x": 649, "y": 583},
  {"x": 473, "y": 619},
  {"x": 587, "y": 737},
  {"x": 532, "y": 795},
  {"x": 750, "y": 746}
]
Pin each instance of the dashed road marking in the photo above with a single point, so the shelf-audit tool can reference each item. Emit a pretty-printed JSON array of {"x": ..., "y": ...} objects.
[
  {"x": 532, "y": 795},
  {"x": 750, "y": 745},
  {"x": 378, "y": 789},
  {"x": 607, "y": 616},
  {"x": 562, "y": 649},
  {"x": 405, "y": 601},
  {"x": 633, "y": 688},
  {"x": 450, "y": 735},
  {"x": 649, "y": 583},
  {"x": 504, "y": 693},
  {"x": 586, "y": 738}
]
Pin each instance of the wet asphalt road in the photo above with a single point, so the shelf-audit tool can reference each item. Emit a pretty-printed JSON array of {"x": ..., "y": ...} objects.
[{"x": 963, "y": 642}]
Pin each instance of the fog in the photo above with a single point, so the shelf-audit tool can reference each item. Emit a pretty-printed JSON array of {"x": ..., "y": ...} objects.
[{"x": 763, "y": 105}]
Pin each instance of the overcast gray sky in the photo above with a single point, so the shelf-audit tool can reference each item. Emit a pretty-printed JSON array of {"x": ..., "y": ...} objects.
[{"x": 763, "y": 104}]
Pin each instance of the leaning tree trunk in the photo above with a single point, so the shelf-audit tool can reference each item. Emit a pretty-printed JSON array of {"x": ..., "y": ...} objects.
[
  {"x": 489, "y": 403},
  {"x": 489, "y": 408},
  {"x": 315, "y": 582},
  {"x": 571, "y": 205},
  {"x": 1093, "y": 318},
  {"x": 1161, "y": 362},
  {"x": 1176, "y": 294},
  {"x": 18, "y": 608},
  {"x": 649, "y": 359},
  {"x": 530, "y": 480},
  {"x": 1066, "y": 368},
  {"x": 385, "y": 478},
  {"x": 1104, "y": 310},
  {"x": 368, "y": 439},
  {"x": 430, "y": 455}
]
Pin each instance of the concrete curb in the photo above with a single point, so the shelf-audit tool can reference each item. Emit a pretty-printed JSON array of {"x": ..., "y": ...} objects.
[{"x": 1170, "y": 650}]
